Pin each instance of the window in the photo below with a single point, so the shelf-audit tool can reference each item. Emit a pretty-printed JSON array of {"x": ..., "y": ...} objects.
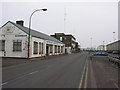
[
  {"x": 51, "y": 48},
  {"x": 17, "y": 45},
  {"x": 58, "y": 49},
  {"x": 40, "y": 49},
  {"x": 55, "y": 49},
  {"x": 64, "y": 38},
  {"x": 2, "y": 45},
  {"x": 35, "y": 47},
  {"x": 61, "y": 49}
]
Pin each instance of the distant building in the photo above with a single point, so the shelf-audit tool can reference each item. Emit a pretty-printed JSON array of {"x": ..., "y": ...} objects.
[
  {"x": 76, "y": 46},
  {"x": 101, "y": 47},
  {"x": 79, "y": 48},
  {"x": 115, "y": 46},
  {"x": 14, "y": 42},
  {"x": 70, "y": 42}
]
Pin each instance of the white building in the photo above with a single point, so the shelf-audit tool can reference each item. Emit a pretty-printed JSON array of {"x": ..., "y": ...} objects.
[{"x": 14, "y": 42}]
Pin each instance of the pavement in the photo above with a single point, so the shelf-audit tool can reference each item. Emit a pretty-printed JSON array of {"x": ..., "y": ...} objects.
[
  {"x": 102, "y": 73},
  {"x": 6, "y": 62},
  {"x": 68, "y": 71}
]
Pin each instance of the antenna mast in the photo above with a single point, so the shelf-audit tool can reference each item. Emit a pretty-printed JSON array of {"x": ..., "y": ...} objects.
[{"x": 64, "y": 18}]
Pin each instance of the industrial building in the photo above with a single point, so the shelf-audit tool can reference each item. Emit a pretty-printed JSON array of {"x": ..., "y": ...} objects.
[
  {"x": 115, "y": 46},
  {"x": 14, "y": 42},
  {"x": 69, "y": 40}
]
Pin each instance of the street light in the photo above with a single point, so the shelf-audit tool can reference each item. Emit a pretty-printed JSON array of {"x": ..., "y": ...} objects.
[
  {"x": 29, "y": 29},
  {"x": 114, "y": 36},
  {"x": 103, "y": 46}
]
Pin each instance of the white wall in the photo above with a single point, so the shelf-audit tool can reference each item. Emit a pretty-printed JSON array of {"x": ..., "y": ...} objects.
[
  {"x": 55, "y": 43},
  {"x": 9, "y": 36},
  {"x": 34, "y": 39}
]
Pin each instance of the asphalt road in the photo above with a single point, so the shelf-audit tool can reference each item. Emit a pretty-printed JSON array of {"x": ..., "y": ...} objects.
[
  {"x": 58, "y": 72},
  {"x": 69, "y": 71}
]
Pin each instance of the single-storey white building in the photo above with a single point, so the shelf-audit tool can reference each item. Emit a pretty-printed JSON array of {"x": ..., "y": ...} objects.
[{"x": 14, "y": 42}]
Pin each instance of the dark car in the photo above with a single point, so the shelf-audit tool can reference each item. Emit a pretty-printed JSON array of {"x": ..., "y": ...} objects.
[
  {"x": 98, "y": 54},
  {"x": 109, "y": 51}
]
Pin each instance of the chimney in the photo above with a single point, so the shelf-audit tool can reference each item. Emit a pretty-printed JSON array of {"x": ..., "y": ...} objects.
[{"x": 21, "y": 22}]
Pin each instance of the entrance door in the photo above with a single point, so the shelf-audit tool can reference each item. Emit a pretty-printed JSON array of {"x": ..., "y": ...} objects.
[{"x": 47, "y": 50}]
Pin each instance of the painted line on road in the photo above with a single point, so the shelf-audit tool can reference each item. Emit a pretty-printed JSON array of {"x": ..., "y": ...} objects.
[
  {"x": 4, "y": 83},
  {"x": 20, "y": 77},
  {"x": 33, "y": 72},
  {"x": 13, "y": 66},
  {"x": 81, "y": 80},
  {"x": 86, "y": 77}
]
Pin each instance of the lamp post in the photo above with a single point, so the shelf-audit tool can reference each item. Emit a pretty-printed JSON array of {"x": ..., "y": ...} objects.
[
  {"x": 29, "y": 29},
  {"x": 114, "y": 36},
  {"x": 103, "y": 46}
]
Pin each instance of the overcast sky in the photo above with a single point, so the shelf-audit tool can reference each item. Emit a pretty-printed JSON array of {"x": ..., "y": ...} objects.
[{"x": 84, "y": 20}]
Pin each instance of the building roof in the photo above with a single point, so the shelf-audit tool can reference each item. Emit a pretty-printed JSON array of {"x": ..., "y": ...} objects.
[
  {"x": 62, "y": 34},
  {"x": 35, "y": 33},
  {"x": 113, "y": 43}
]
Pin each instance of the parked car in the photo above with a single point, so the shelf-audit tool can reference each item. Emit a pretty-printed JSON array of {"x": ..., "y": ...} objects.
[
  {"x": 100, "y": 54},
  {"x": 109, "y": 51},
  {"x": 116, "y": 52}
]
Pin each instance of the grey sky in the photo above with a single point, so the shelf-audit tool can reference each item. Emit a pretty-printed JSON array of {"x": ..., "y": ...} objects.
[{"x": 83, "y": 19}]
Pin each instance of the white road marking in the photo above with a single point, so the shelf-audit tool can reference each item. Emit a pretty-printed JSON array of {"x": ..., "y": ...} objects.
[
  {"x": 33, "y": 72},
  {"x": 86, "y": 76},
  {"x": 81, "y": 80},
  {"x": 4, "y": 83},
  {"x": 20, "y": 77}
]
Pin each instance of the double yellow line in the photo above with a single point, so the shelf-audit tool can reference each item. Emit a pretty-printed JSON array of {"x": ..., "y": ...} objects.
[{"x": 84, "y": 74}]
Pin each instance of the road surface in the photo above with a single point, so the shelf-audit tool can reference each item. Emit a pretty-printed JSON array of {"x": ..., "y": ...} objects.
[
  {"x": 62, "y": 72},
  {"x": 69, "y": 71}
]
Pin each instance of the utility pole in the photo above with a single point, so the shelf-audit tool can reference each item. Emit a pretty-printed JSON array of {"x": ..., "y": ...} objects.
[{"x": 114, "y": 36}]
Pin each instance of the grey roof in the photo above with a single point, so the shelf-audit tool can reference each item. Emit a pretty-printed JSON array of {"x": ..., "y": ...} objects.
[{"x": 36, "y": 33}]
